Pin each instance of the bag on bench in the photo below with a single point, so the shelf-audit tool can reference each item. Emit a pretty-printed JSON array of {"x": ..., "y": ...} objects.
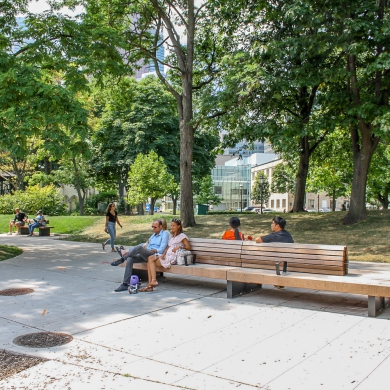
[{"x": 181, "y": 255}]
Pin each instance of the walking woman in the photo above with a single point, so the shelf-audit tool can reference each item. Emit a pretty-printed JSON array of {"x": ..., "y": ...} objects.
[
  {"x": 177, "y": 240},
  {"x": 111, "y": 220}
]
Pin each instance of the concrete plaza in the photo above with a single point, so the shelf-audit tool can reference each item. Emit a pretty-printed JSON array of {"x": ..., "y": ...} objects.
[{"x": 185, "y": 334}]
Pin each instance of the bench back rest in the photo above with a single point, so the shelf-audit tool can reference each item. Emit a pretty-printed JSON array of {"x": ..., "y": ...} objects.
[
  {"x": 311, "y": 258},
  {"x": 219, "y": 252}
]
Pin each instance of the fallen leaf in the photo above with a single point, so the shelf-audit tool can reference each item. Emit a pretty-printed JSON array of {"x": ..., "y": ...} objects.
[{"x": 44, "y": 312}]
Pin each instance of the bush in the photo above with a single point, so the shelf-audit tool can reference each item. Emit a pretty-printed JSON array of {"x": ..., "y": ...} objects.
[
  {"x": 228, "y": 212},
  {"x": 34, "y": 198}
]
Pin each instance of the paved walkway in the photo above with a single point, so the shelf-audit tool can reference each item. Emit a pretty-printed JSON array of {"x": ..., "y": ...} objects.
[{"x": 186, "y": 334}]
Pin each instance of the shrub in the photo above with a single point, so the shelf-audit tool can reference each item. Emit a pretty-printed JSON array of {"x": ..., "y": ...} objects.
[{"x": 34, "y": 198}]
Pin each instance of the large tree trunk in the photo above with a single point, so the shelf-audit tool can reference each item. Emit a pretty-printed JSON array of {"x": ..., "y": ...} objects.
[
  {"x": 363, "y": 150},
  {"x": 384, "y": 200},
  {"x": 152, "y": 203},
  {"x": 303, "y": 170}
]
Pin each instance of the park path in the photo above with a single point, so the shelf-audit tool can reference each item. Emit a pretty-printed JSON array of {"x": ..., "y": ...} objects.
[{"x": 186, "y": 334}]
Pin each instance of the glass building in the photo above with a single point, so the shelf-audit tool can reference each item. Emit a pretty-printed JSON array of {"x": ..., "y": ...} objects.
[{"x": 233, "y": 185}]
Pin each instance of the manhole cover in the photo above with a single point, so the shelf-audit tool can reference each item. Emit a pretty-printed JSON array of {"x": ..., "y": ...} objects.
[
  {"x": 11, "y": 292},
  {"x": 43, "y": 339}
]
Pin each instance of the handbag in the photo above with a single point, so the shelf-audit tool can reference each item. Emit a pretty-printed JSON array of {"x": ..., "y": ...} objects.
[{"x": 183, "y": 257}]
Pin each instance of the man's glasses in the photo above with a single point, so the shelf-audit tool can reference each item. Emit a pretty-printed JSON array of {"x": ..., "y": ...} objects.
[
  {"x": 175, "y": 220},
  {"x": 154, "y": 227}
]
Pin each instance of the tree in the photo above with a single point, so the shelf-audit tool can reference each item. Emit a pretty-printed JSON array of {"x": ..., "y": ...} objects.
[
  {"x": 133, "y": 118},
  {"x": 362, "y": 27},
  {"x": 283, "y": 180},
  {"x": 260, "y": 190},
  {"x": 378, "y": 182},
  {"x": 206, "y": 193},
  {"x": 140, "y": 37},
  {"x": 173, "y": 191},
  {"x": 272, "y": 78},
  {"x": 148, "y": 178}
]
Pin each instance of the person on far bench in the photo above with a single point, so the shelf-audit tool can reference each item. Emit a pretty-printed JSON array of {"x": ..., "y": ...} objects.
[
  {"x": 140, "y": 253},
  {"x": 278, "y": 235},
  {"x": 38, "y": 221},
  {"x": 18, "y": 221}
]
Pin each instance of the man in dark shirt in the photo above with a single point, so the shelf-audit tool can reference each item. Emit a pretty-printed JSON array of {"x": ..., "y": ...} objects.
[
  {"x": 18, "y": 221},
  {"x": 278, "y": 235}
]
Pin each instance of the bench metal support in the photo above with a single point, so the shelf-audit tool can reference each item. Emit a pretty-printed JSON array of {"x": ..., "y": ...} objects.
[
  {"x": 238, "y": 288},
  {"x": 376, "y": 305},
  {"x": 277, "y": 266},
  {"x": 44, "y": 231}
]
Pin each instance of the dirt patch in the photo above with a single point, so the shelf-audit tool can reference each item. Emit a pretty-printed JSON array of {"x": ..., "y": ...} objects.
[
  {"x": 13, "y": 292},
  {"x": 43, "y": 339},
  {"x": 11, "y": 363}
]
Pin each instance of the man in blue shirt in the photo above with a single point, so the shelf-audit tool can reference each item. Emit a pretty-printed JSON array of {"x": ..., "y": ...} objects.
[{"x": 156, "y": 245}]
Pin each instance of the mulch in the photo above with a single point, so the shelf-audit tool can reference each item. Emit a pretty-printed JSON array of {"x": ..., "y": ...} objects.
[
  {"x": 13, "y": 292},
  {"x": 43, "y": 339},
  {"x": 11, "y": 363}
]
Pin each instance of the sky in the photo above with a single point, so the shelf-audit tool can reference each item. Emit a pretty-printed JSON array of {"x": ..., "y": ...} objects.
[{"x": 39, "y": 6}]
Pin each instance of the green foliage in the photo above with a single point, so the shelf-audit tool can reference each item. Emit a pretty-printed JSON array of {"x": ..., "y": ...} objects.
[
  {"x": 47, "y": 199},
  {"x": 260, "y": 190},
  {"x": 206, "y": 192},
  {"x": 148, "y": 178},
  {"x": 379, "y": 176},
  {"x": 283, "y": 178}
]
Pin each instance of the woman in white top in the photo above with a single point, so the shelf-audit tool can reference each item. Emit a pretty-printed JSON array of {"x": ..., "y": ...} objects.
[{"x": 177, "y": 240}]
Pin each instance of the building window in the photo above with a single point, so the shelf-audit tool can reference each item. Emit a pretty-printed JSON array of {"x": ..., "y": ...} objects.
[
  {"x": 311, "y": 203},
  {"x": 218, "y": 190},
  {"x": 284, "y": 202},
  {"x": 272, "y": 203},
  {"x": 278, "y": 203}
]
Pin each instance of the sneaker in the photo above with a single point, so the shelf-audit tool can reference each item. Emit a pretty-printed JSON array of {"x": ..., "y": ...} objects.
[
  {"x": 18, "y": 233},
  {"x": 122, "y": 287},
  {"x": 118, "y": 262},
  {"x": 9, "y": 234}
]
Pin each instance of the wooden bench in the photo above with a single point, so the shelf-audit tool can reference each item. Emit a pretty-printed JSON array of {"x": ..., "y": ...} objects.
[
  {"x": 247, "y": 266},
  {"x": 44, "y": 231}
]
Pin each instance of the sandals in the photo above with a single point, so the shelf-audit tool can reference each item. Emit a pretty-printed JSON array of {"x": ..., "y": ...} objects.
[
  {"x": 104, "y": 246},
  {"x": 147, "y": 289},
  {"x": 151, "y": 284},
  {"x": 119, "y": 249}
]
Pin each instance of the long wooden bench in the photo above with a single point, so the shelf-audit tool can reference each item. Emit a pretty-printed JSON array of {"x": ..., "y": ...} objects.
[{"x": 247, "y": 266}]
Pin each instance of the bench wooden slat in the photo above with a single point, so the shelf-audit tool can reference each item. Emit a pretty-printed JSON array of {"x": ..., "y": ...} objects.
[
  {"x": 353, "y": 283},
  {"x": 326, "y": 252},
  {"x": 202, "y": 271},
  {"x": 275, "y": 255},
  {"x": 213, "y": 254},
  {"x": 293, "y": 260},
  {"x": 296, "y": 245},
  {"x": 329, "y": 271}
]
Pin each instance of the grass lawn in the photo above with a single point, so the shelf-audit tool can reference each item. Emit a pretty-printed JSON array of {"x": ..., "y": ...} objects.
[
  {"x": 62, "y": 224},
  {"x": 8, "y": 252},
  {"x": 366, "y": 241}
]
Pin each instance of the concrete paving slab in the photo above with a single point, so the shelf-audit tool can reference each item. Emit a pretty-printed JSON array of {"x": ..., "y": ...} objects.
[{"x": 57, "y": 375}]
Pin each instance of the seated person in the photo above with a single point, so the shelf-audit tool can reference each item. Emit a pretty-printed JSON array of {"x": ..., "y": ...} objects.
[
  {"x": 140, "y": 253},
  {"x": 18, "y": 221},
  {"x": 279, "y": 235},
  {"x": 177, "y": 240},
  {"x": 233, "y": 233},
  {"x": 122, "y": 251},
  {"x": 38, "y": 221}
]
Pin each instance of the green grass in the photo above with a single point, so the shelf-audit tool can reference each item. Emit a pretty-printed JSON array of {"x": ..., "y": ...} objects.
[
  {"x": 9, "y": 251},
  {"x": 62, "y": 224}
]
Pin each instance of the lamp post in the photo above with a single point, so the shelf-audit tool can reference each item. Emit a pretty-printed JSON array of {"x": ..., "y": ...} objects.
[
  {"x": 241, "y": 195},
  {"x": 261, "y": 194}
]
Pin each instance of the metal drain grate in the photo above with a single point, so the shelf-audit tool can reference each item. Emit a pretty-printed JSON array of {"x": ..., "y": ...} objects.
[
  {"x": 12, "y": 292},
  {"x": 43, "y": 339}
]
